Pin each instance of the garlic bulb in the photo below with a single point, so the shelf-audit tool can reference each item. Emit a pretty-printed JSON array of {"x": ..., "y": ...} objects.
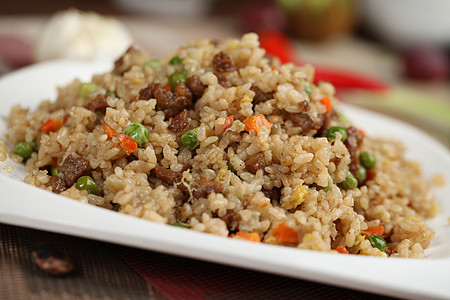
[{"x": 77, "y": 35}]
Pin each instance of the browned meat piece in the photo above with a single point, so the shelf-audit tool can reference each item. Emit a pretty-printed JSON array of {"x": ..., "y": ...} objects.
[
  {"x": 98, "y": 104},
  {"x": 274, "y": 195},
  {"x": 146, "y": 93},
  {"x": 203, "y": 187},
  {"x": 182, "y": 90},
  {"x": 304, "y": 105},
  {"x": 58, "y": 185},
  {"x": 52, "y": 260},
  {"x": 172, "y": 103},
  {"x": 120, "y": 65},
  {"x": 73, "y": 168},
  {"x": 231, "y": 219},
  {"x": 304, "y": 121},
  {"x": 353, "y": 141},
  {"x": 167, "y": 175},
  {"x": 222, "y": 63},
  {"x": 255, "y": 162},
  {"x": 180, "y": 121},
  {"x": 196, "y": 86},
  {"x": 260, "y": 96}
]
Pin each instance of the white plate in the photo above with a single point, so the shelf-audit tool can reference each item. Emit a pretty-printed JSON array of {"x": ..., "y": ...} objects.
[{"x": 25, "y": 205}]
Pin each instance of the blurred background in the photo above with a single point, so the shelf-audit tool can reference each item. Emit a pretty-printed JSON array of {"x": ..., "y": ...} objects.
[{"x": 388, "y": 56}]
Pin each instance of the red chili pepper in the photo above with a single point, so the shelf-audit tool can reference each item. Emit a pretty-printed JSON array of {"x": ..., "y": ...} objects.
[{"x": 277, "y": 43}]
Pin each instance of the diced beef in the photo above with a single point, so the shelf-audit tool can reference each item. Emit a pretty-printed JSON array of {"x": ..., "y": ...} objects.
[
  {"x": 171, "y": 103},
  {"x": 196, "y": 86},
  {"x": 180, "y": 121},
  {"x": 200, "y": 188},
  {"x": 58, "y": 185},
  {"x": 231, "y": 219},
  {"x": 353, "y": 142},
  {"x": 121, "y": 65},
  {"x": 222, "y": 63},
  {"x": 73, "y": 168},
  {"x": 260, "y": 96},
  {"x": 98, "y": 104},
  {"x": 203, "y": 187},
  {"x": 255, "y": 162},
  {"x": 304, "y": 121},
  {"x": 167, "y": 175},
  {"x": 146, "y": 93}
]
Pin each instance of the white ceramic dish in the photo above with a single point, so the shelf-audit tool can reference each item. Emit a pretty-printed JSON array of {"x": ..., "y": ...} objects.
[{"x": 25, "y": 205}]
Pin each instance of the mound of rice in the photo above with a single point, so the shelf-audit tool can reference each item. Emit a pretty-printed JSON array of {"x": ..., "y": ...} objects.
[{"x": 261, "y": 168}]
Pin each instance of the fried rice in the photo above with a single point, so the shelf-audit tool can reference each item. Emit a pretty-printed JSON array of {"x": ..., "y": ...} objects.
[{"x": 238, "y": 145}]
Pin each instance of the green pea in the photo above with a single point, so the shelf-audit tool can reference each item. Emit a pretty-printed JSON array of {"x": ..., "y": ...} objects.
[
  {"x": 325, "y": 188},
  {"x": 350, "y": 182},
  {"x": 308, "y": 88},
  {"x": 152, "y": 63},
  {"x": 175, "y": 78},
  {"x": 378, "y": 242},
  {"x": 231, "y": 168},
  {"x": 87, "y": 183},
  {"x": 367, "y": 160},
  {"x": 361, "y": 175},
  {"x": 189, "y": 139},
  {"x": 23, "y": 149},
  {"x": 138, "y": 133},
  {"x": 331, "y": 133},
  {"x": 54, "y": 170},
  {"x": 86, "y": 88},
  {"x": 180, "y": 224},
  {"x": 176, "y": 61}
]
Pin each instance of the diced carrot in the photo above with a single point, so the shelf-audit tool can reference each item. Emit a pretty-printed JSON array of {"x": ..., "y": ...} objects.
[
  {"x": 228, "y": 122},
  {"x": 363, "y": 133},
  {"x": 110, "y": 132},
  {"x": 128, "y": 144},
  {"x": 326, "y": 101},
  {"x": 264, "y": 205},
  {"x": 341, "y": 249},
  {"x": 253, "y": 236},
  {"x": 51, "y": 125},
  {"x": 374, "y": 230},
  {"x": 116, "y": 145},
  {"x": 255, "y": 122},
  {"x": 285, "y": 234}
]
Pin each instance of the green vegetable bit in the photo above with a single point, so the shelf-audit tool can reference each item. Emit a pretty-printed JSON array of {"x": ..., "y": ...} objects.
[
  {"x": 54, "y": 170},
  {"x": 308, "y": 89},
  {"x": 367, "y": 160},
  {"x": 23, "y": 149},
  {"x": 86, "y": 88},
  {"x": 350, "y": 182},
  {"x": 180, "y": 224},
  {"x": 378, "y": 242},
  {"x": 231, "y": 168},
  {"x": 176, "y": 61},
  {"x": 152, "y": 63},
  {"x": 175, "y": 78},
  {"x": 189, "y": 139},
  {"x": 361, "y": 175},
  {"x": 34, "y": 145},
  {"x": 87, "y": 183},
  {"x": 325, "y": 188},
  {"x": 138, "y": 133},
  {"x": 331, "y": 133},
  {"x": 111, "y": 93}
]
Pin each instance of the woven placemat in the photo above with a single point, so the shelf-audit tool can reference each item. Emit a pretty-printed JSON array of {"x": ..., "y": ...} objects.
[{"x": 108, "y": 271}]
